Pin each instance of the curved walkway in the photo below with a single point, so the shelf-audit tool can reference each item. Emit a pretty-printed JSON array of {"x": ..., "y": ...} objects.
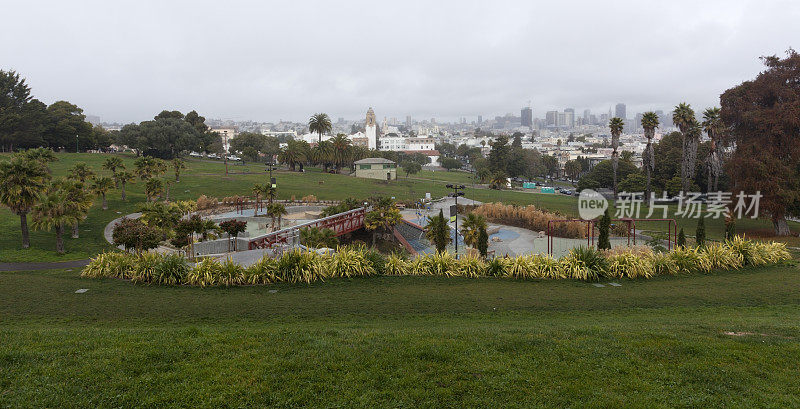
[{"x": 43, "y": 265}]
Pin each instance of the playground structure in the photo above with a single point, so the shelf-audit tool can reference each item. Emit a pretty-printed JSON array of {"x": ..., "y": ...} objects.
[{"x": 591, "y": 226}]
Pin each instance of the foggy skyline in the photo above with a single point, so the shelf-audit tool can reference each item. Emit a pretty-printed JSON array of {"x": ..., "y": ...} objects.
[{"x": 126, "y": 61}]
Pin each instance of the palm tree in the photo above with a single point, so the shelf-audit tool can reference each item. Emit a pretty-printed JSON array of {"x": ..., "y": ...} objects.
[
  {"x": 44, "y": 155},
  {"x": 80, "y": 201},
  {"x": 319, "y": 123},
  {"x": 649, "y": 123},
  {"x": 315, "y": 237},
  {"x": 81, "y": 171},
  {"x": 54, "y": 211},
  {"x": 101, "y": 186},
  {"x": 712, "y": 124},
  {"x": 294, "y": 153},
  {"x": 153, "y": 188},
  {"x": 323, "y": 154},
  {"x": 382, "y": 218},
  {"x": 113, "y": 163},
  {"x": 22, "y": 180},
  {"x": 438, "y": 232},
  {"x": 471, "y": 228},
  {"x": 121, "y": 178},
  {"x": 178, "y": 164},
  {"x": 341, "y": 150},
  {"x": 616, "y": 125},
  {"x": 276, "y": 211},
  {"x": 684, "y": 118},
  {"x": 499, "y": 180}
]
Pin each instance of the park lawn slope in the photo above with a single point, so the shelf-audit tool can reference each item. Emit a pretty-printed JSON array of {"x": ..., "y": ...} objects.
[{"x": 403, "y": 342}]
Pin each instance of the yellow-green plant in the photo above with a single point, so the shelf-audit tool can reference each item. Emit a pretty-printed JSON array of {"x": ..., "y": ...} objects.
[
  {"x": 497, "y": 267},
  {"x": 577, "y": 269},
  {"x": 114, "y": 264},
  {"x": 262, "y": 272},
  {"x": 396, "y": 265},
  {"x": 204, "y": 273},
  {"x": 471, "y": 266},
  {"x": 349, "y": 262},
  {"x": 663, "y": 264},
  {"x": 300, "y": 266},
  {"x": 721, "y": 257},
  {"x": 520, "y": 267},
  {"x": 171, "y": 270},
  {"x": 629, "y": 265},
  {"x": 229, "y": 273},
  {"x": 438, "y": 264},
  {"x": 546, "y": 266},
  {"x": 145, "y": 268}
]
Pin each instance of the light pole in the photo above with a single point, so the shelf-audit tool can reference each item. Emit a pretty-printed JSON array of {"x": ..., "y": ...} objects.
[
  {"x": 76, "y": 143},
  {"x": 454, "y": 209}
]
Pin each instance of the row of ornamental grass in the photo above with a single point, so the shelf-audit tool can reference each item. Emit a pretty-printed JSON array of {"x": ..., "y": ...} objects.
[{"x": 299, "y": 266}]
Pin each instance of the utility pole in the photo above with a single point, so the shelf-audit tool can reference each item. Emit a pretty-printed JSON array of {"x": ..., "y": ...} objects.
[{"x": 454, "y": 209}]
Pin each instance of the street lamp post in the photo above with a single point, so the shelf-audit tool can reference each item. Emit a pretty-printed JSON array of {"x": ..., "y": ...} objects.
[
  {"x": 76, "y": 143},
  {"x": 454, "y": 210}
]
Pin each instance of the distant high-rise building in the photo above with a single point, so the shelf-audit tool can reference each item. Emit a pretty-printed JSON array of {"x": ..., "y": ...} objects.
[
  {"x": 637, "y": 122},
  {"x": 480, "y": 119},
  {"x": 551, "y": 118},
  {"x": 408, "y": 120},
  {"x": 586, "y": 116},
  {"x": 569, "y": 117},
  {"x": 526, "y": 115},
  {"x": 619, "y": 111},
  {"x": 562, "y": 118}
]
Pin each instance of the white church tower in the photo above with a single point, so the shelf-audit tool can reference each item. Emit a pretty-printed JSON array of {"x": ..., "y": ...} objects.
[{"x": 371, "y": 130}]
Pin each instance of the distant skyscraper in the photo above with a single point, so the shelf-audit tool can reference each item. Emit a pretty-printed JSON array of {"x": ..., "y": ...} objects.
[
  {"x": 480, "y": 119},
  {"x": 569, "y": 117},
  {"x": 408, "y": 120},
  {"x": 551, "y": 118},
  {"x": 526, "y": 116},
  {"x": 586, "y": 115},
  {"x": 619, "y": 111}
]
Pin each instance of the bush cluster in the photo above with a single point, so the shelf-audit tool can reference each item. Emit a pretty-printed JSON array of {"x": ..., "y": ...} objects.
[
  {"x": 299, "y": 266},
  {"x": 529, "y": 217}
]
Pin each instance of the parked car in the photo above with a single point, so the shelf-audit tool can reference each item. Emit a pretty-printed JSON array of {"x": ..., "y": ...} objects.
[
  {"x": 213, "y": 156},
  {"x": 566, "y": 192},
  {"x": 195, "y": 154},
  {"x": 234, "y": 157}
]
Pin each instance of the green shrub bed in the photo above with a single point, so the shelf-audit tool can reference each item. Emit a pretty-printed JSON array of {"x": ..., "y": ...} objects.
[{"x": 306, "y": 267}]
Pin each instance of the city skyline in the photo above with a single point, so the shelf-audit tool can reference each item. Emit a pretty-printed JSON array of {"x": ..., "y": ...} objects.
[{"x": 449, "y": 60}]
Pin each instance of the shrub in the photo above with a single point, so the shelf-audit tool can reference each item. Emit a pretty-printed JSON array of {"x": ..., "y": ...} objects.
[
  {"x": 229, "y": 273},
  {"x": 396, "y": 265},
  {"x": 700, "y": 233},
  {"x": 146, "y": 268},
  {"x": 298, "y": 266},
  {"x": 112, "y": 264},
  {"x": 471, "y": 266},
  {"x": 438, "y": 264},
  {"x": 603, "y": 242},
  {"x": 497, "y": 267},
  {"x": 722, "y": 257},
  {"x": 529, "y": 217},
  {"x": 546, "y": 266},
  {"x": 264, "y": 271},
  {"x": 204, "y": 202},
  {"x": 349, "y": 262},
  {"x": 520, "y": 267},
  {"x": 663, "y": 264},
  {"x": 686, "y": 260},
  {"x": 575, "y": 268},
  {"x": 594, "y": 260},
  {"x": 204, "y": 273},
  {"x": 172, "y": 269},
  {"x": 681, "y": 240},
  {"x": 630, "y": 265}
]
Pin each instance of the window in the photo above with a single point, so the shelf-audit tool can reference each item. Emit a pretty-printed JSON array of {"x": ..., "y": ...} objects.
[
  {"x": 388, "y": 166},
  {"x": 364, "y": 167}
]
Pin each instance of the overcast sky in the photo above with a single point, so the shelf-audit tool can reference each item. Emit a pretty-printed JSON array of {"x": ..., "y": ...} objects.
[{"x": 127, "y": 60}]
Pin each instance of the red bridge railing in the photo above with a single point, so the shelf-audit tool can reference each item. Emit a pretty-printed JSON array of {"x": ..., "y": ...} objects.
[{"x": 341, "y": 223}]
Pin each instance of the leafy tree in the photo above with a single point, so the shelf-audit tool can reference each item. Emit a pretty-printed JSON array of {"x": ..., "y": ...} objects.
[
  {"x": 499, "y": 180},
  {"x": 602, "y": 173},
  {"x": 101, "y": 186},
  {"x": 438, "y": 232},
  {"x": 681, "y": 241},
  {"x": 319, "y": 123},
  {"x": 616, "y": 125},
  {"x": 163, "y": 216},
  {"x": 700, "y": 234},
  {"x": 483, "y": 242},
  {"x": 446, "y": 149},
  {"x": 450, "y": 164},
  {"x": 135, "y": 234},
  {"x": 178, "y": 164},
  {"x": 122, "y": 178},
  {"x": 22, "y": 180},
  {"x": 43, "y": 155},
  {"x": 499, "y": 155},
  {"x": 295, "y": 153},
  {"x": 761, "y": 121},
  {"x": 317, "y": 238},
  {"x": 633, "y": 183},
  {"x": 250, "y": 153},
  {"x": 573, "y": 169},
  {"x": 550, "y": 165},
  {"x": 603, "y": 240},
  {"x": 382, "y": 218},
  {"x": 66, "y": 122},
  {"x": 410, "y": 168},
  {"x": 669, "y": 154},
  {"x": 15, "y": 96},
  {"x": 233, "y": 228},
  {"x": 471, "y": 227},
  {"x": 649, "y": 124}
]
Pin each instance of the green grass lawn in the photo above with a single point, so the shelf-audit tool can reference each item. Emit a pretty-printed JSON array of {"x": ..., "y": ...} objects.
[
  {"x": 403, "y": 342},
  {"x": 208, "y": 177}
]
